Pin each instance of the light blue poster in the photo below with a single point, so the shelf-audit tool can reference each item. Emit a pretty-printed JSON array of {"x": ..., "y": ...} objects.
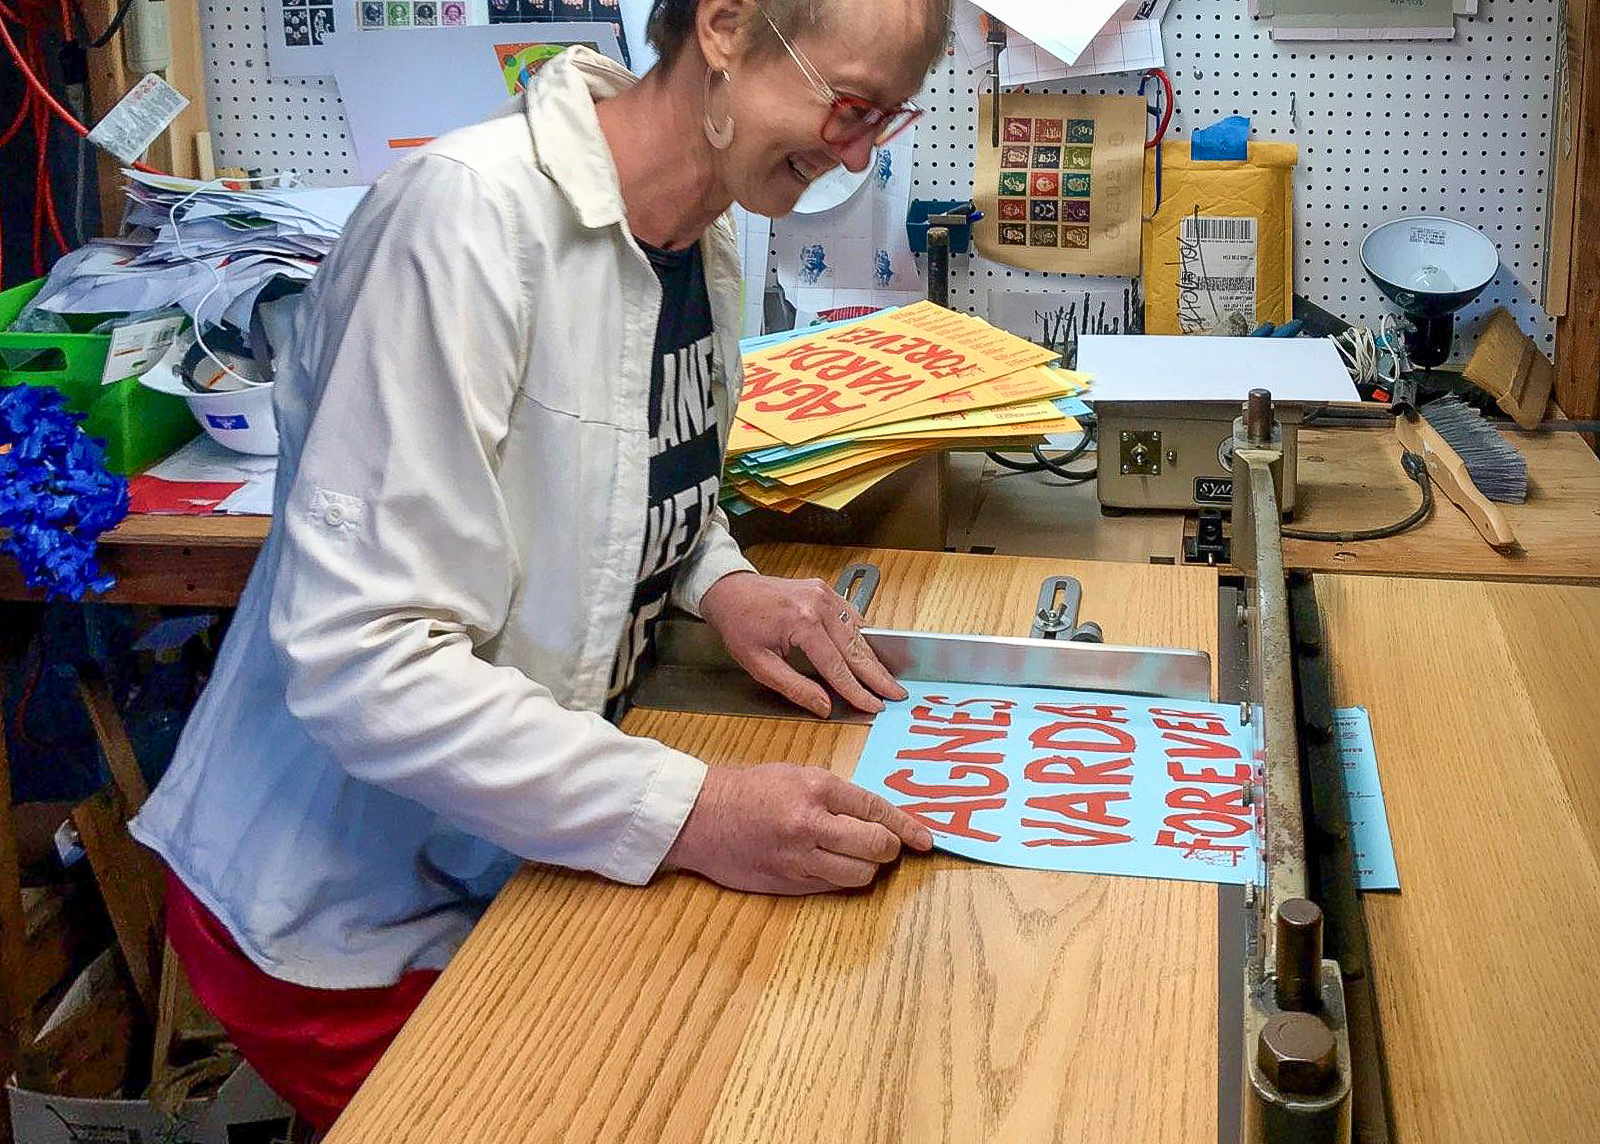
[
  {"x": 1070, "y": 780},
  {"x": 1369, "y": 822}
]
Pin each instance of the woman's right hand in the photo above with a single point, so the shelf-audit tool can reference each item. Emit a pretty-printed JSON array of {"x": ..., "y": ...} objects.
[{"x": 785, "y": 829}]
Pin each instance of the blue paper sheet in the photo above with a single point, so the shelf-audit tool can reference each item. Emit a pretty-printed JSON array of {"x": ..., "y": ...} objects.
[
  {"x": 1369, "y": 822},
  {"x": 1070, "y": 780},
  {"x": 1225, "y": 139}
]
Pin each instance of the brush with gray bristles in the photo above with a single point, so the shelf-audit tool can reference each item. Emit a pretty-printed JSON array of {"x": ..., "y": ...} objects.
[{"x": 1493, "y": 463}]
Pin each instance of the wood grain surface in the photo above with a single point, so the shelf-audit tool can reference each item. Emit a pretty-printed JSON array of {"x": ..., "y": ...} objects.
[
  {"x": 1483, "y": 703},
  {"x": 1351, "y": 478},
  {"x": 949, "y": 1002}
]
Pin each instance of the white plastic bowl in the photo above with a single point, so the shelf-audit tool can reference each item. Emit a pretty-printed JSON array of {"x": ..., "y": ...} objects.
[{"x": 240, "y": 419}]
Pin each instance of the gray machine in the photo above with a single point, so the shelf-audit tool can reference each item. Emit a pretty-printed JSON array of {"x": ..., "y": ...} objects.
[{"x": 1178, "y": 455}]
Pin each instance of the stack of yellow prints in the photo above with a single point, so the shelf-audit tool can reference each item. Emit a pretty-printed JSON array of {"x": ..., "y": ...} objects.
[{"x": 829, "y": 412}]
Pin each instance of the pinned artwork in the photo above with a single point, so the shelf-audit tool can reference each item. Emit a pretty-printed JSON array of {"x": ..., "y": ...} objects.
[
  {"x": 856, "y": 251},
  {"x": 1071, "y": 780},
  {"x": 307, "y": 23},
  {"x": 518, "y": 62},
  {"x": 373, "y": 14},
  {"x": 1046, "y": 173}
]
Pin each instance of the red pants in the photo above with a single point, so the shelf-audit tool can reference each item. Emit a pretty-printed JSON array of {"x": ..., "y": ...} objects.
[{"x": 314, "y": 1047}]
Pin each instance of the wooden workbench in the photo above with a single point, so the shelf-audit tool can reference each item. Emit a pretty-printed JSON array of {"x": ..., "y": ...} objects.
[
  {"x": 1348, "y": 478},
  {"x": 1484, "y": 713},
  {"x": 1351, "y": 478},
  {"x": 949, "y": 1002},
  {"x": 199, "y": 560}
]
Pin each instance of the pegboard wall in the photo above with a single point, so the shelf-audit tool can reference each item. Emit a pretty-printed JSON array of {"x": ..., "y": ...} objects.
[{"x": 1461, "y": 129}]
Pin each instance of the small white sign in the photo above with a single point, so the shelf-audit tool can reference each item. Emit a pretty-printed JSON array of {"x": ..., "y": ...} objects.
[
  {"x": 138, "y": 118},
  {"x": 138, "y": 346}
]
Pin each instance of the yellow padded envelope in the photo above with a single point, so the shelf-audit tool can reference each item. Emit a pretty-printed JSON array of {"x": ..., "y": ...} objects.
[{"x": 1223, "y": 241}]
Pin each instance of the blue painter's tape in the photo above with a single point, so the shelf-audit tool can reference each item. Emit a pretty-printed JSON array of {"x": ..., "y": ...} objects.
[{"x": 1226, "y": 139}]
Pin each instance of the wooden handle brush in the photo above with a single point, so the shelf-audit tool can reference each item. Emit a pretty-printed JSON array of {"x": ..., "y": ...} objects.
[{"x": 1449, "y": 475}]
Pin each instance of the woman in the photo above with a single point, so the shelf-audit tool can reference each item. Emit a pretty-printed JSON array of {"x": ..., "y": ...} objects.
[{"x": 501, "y": 437}]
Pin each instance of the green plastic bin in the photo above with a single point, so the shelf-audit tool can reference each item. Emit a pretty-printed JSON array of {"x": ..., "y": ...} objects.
[{"x": 138, "y": 425}]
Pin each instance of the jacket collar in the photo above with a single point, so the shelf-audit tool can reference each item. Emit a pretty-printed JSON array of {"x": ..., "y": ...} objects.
[{"x": 569, "y": 146}]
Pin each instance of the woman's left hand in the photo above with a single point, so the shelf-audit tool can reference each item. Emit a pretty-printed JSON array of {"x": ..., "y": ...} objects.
[{"x": 762, "y": 618}]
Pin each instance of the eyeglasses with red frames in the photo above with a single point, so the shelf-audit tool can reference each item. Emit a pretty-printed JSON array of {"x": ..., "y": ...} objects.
[{"x": 850, "y": 118}]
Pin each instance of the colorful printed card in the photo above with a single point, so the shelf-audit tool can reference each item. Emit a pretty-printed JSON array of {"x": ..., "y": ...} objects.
[
  {"x": 1070, "y": 780},
  {"x": 815, "y": 387}
]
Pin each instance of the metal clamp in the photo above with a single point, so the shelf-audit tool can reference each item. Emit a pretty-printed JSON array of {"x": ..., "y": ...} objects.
[
  {"x": 995, "y": 37},
  {"x": 1056, "y": 616},
  {"x": 858, "y": 583}
]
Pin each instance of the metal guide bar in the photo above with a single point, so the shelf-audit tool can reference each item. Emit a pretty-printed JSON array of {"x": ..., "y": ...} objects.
[
  {"x": 693, "y": 671},
  {"x": 1332, "y": 867}
]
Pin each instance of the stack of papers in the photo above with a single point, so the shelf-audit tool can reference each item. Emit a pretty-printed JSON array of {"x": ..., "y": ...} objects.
[
  {"x": 204, "y": 477},
  {"x": 206, "y": 249},
  {"x": 828, "y": 412}
]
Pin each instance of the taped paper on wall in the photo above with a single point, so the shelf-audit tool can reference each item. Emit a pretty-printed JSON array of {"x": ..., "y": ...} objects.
[
  {"x": 303, "y": 34},
  {"x": 139, "y": 117},
  {"x": 858, "y": 245},
  {"x": 1359, "y": 19},
  {"x": 403, "y": 88},
  {"x": 1130, "y": 41},
  {"x": 1059, "y": 193}
]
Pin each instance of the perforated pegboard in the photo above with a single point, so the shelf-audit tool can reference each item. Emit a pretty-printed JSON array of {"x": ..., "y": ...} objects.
[{"x": 1461, "y": 129}]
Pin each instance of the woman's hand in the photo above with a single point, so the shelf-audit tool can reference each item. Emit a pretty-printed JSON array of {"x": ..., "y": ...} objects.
[
  {"x": 783, "y": 829},
  {"x": 762, "y": 618}
]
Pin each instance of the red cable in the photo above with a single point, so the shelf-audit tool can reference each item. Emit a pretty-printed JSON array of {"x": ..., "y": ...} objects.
[
  {"x": 39, "y": 88},
  {"x": 50, "y": 101},
  {"x": 22, "y": 113},
  {"x": 1166, "y": 112},
  {"x": 39, "y": 192}
]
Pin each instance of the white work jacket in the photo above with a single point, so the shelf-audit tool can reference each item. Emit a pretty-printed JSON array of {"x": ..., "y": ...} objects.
[{"x": 408, "y": 694}]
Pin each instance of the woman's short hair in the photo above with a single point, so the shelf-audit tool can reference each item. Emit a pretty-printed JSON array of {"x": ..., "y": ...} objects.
[{"x": 671, "y": 23}]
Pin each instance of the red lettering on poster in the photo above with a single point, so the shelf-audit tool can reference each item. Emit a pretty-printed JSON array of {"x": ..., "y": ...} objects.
[
  {"x": 960, "y": 816},
  {"x": 993, "y": 783},
  {"x": 1112, "y": 771},
  {"x": 954, "y": 748}
]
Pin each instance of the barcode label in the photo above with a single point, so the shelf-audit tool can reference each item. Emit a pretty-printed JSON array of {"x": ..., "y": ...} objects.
[
  {"x": 1220, "y": 229},
  {"x": 1216, "y": 274}
]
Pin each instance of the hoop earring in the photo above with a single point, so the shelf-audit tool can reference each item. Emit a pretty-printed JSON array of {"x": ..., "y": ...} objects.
[{"x": 720, "y": 135}]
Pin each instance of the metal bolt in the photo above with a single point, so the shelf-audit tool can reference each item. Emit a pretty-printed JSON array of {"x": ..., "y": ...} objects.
[
  {"x": 1298, "y": 960},
  {"x": 1258, "y": 417},
  {"x": 1051, "y": 620},
  {"x": 1298, "y": 1054}
]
